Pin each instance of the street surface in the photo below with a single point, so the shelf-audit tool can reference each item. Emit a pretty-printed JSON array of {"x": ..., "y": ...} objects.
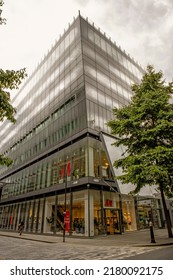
[
  {"x": 22, "y": 249},
  {"x": 164, "y": 253}
]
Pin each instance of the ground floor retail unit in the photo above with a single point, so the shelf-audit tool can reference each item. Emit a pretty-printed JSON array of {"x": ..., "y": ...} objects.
[{"x": 86, "y": 210}]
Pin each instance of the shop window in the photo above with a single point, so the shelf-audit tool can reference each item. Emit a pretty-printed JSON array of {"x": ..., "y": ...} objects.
[
  {"x": 32, "y": 181},
  {"x": 54, "y": 172},
  {"x": 78, "y": 164},
  {"x": 48, "y": 174},
  {"x": 128, "y": 210},
  {"x": 35, "y": 216},
  {"x": 106, "y": 171},
  {"x": 98, "y": 162},
  {"x": 13, "y": 217},
  {"x": 78, "y": 213},
  {"x": 38, "y": 178},
  {"x": 43, "y": 175},
  {"x": 98, "y": 223},
  {"x": 30, "y": 216},
  {"x": 97, "y": 171}
]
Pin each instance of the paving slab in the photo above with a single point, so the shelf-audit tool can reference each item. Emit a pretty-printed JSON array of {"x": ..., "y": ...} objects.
[{"x": 136, "y": 238}]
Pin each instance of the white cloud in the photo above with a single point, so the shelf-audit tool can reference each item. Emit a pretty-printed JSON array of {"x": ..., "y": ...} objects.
[{"x": 142, "y": 28}]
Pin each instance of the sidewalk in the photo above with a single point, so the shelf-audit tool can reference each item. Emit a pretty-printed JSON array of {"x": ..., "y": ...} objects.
[{"x": 132, "y": 239}]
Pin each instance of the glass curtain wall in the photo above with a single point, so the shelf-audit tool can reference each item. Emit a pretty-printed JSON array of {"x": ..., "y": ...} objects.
[
  {"x": 50, "y": 171},
  {"x": 77, "y": 161},
  {"x": 31, "y": 212},
  {"x": 98, "y": 161},
  {"x": 109, "y": 73},
  {"x": 85, "y": 158},
  {"x": 55, "y": 86}
]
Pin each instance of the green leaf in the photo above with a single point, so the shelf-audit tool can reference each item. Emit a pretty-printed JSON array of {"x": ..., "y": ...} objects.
[{"x": 145, "y": 129}]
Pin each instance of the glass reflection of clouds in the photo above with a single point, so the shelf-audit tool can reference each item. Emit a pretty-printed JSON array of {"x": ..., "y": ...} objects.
[{"x": 29, "y": 106}]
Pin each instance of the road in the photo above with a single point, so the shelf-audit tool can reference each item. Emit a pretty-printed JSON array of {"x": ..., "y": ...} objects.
[
  {"x": 22, "y": 249},
  {"x": 164, "y": 253}
]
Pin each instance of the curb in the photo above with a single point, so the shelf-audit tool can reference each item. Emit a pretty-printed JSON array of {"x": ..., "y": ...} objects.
[
  {"x": 153, "y": 245},
  {"x": 27, "y": 238},
  {"x": 53, "y": 242}
]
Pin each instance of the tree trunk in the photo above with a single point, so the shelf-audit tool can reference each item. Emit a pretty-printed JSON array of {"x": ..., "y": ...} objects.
[{"x": 167, "y": 217}]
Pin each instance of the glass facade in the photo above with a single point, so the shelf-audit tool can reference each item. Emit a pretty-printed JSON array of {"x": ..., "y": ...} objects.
[
  {"x": 79, "y": 160},
  {"x": 109, "y": 73},
  {"x": 62, "y": 170},
  {"x": 50, "y": 106}
]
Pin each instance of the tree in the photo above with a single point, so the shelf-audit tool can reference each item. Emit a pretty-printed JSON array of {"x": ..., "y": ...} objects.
[
  {"x": 9, "y": 80},
  {"x": 2, "y": 20},
  {"x": 145, "y": 129}
]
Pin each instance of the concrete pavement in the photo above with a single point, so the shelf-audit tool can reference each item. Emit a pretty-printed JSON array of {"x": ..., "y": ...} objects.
[{"x": 133, "y": 239}]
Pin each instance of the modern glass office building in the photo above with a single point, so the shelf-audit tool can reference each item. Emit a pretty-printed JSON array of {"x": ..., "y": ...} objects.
[{"x": 61, "y": 145}]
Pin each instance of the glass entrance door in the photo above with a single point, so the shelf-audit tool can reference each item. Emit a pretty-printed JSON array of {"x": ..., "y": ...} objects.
[
  {"x": 108, "y": 221},
  {"x": 112, "y": 220}
]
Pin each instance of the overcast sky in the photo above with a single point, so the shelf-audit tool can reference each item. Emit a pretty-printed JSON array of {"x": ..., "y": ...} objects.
[{"x": 143, "y": 28}]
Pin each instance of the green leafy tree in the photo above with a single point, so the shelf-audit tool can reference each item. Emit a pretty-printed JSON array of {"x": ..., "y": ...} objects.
[
  {"x": 9, "y": 80},
  {"x": 2, "y": 20},
  {"x": 145, "y": 129}
]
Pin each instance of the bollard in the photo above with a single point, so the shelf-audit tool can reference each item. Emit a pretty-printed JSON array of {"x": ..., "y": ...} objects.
[{"x": 152, "y": 232}]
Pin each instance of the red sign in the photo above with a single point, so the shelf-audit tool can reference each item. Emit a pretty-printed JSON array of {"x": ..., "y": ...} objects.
[
  {"x": 67, "y": 220},
  {"x": 108, "y": 203},
  {"x": 11, "y": 220}
]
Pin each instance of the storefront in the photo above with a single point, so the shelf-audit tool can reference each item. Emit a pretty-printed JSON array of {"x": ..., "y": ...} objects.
[
  {"x": 91, "y": 212},
  {"x": 149, "y": 209}
]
